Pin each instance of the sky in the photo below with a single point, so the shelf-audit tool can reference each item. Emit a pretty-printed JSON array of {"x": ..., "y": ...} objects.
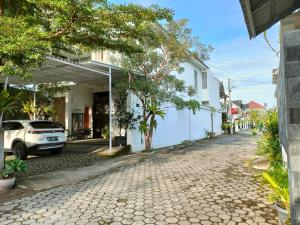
[{"x": 220, "y": 23}]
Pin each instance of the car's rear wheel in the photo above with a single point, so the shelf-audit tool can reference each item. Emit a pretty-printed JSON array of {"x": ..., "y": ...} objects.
[
  {"x": 56, "y": 151},
  {"x": 20, "y": 150}
]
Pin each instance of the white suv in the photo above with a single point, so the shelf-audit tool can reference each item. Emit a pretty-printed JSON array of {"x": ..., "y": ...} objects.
[{"x": 22, "y": 136}]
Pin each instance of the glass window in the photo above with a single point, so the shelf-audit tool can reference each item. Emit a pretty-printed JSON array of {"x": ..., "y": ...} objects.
[
  {"x": 44, "y": 125},
  {"x": 196, "y": 80},
  {"x": 12, "y": 126},
  {"x": 204, "y": 80}
]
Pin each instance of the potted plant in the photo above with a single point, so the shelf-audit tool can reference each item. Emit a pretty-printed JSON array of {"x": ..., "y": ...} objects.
[
  {"x": 105, "y": 132},
  {"x": 124, "y": 119},
  {"x": 226, "y": 128},
  {"x": 9, "y": 172},
  {"x": 277, "y": 179}
]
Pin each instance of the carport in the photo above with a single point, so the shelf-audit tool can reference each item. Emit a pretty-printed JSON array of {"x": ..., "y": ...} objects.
[{"x": 56, "y": 69}]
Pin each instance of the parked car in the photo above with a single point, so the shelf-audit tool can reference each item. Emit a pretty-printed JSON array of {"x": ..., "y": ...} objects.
[{"x": 23, "y": 136}]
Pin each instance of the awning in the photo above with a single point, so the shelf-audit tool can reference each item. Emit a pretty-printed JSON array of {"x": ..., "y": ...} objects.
[
  {"x": 262, "y": 14},
  {"x": 60, "y": 70}
]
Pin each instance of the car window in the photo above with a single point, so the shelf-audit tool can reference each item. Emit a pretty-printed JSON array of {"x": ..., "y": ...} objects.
[
  {"x": 12, "y": 126},
  {"x": 44, "y": 125}
]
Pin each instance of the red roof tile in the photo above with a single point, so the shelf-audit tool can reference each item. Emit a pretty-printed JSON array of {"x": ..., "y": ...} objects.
[{"x": 254, "y": 105}]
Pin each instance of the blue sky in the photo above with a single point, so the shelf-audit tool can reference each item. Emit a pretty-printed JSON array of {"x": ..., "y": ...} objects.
[{"x": 221, "y": 24}]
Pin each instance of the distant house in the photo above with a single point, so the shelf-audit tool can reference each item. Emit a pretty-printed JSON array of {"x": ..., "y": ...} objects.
[{"x": 252, "y": 105}]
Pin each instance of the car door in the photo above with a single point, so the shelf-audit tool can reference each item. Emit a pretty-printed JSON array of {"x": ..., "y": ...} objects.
[{"x": 12, "y": 131}]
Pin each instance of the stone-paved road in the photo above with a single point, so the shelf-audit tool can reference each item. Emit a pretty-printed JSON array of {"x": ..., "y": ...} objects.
[{"x": 204, "y": 184}]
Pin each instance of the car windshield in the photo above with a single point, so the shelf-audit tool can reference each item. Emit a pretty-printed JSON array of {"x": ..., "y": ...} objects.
[{"x": 44, "y": 125}]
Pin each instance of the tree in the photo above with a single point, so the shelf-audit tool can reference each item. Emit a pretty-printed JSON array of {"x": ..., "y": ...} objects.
[
  {"x": 123, "y": 117},
  {"x": 150, "y": 72},
  {"x": 45, "y": 95},
  {"x": 256, "y": 117},
  {"x": 32, "y": 29},
  {"x": 8, "y": 103}
]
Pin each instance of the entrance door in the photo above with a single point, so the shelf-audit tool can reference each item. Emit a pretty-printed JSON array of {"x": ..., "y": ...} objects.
[
  {"x": 86, "y": 117},
  {"x": 100, "y": 113},
  {"x": 59, "y": 106}
]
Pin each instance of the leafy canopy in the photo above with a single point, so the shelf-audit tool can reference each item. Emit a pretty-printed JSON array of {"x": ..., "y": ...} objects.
[
  {"x": 151, "y": 72},
  {"x": 32, "y": 29}
]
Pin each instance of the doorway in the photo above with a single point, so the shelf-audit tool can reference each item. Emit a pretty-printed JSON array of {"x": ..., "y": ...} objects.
[{"x": 100, "y": 113}]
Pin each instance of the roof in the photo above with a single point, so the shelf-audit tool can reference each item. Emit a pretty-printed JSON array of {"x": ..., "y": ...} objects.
[
  {"x": 239, "y": 103},
  {"x": 60, "y": 70},
  {"x": 254, "y": 105},
  {"x": 262, "y": 14}
]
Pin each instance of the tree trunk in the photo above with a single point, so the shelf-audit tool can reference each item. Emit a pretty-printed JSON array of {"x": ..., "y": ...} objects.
[
  {"x": 147, "y": 142},
  {"x": 1, "y": 7},
  {"x": 149, "y": 135},
  {"x": 1, "y": 148}
]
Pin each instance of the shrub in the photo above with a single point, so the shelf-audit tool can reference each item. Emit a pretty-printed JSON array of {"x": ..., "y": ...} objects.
[
  {"x": 254, "y": 131},
  {"x": 276, "y": 177},
  {"x": 12, "y": 167},
  {"x": 269, "y": 143}
]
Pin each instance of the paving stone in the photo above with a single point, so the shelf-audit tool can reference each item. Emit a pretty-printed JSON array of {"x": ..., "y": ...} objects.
[{"x": 206, "y": 185}]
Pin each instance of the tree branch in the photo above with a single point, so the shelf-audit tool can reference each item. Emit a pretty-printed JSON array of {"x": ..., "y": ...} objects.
[{"x": 1, "y": 7}]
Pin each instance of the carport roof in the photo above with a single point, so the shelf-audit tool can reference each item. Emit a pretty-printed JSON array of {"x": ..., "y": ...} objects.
[
  {"x": 59, "y": 70},
  {"x": 262, "y": 14}
]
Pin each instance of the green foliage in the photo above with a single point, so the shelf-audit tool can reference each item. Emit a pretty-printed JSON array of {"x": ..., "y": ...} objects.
[
  {"x": 277, "y": 179},
  {"x": 29, "y": 108},
  {"x": 12, "y": 167},
  {"x": 47, "y": 92},
  {"x": 123, "y": 117},
  {"x": 256, "y": 117},
  {"x": 41, "y": 112},
  {"x": 32, "y": 29},
  {"x": 150, "y": 72},
  {"x": 254, "y": 131},
  {"x": 44, "y": 101},
  {"x": 269, "y": 143},
  {"x": 225, "y": 126},
  {"x": 191, "y": 91},
  {"x": 8, "y": 103},
  {"x": 105, "y": 132}
]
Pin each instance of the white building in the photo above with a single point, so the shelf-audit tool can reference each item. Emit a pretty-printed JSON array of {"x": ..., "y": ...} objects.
[{"x": 86, "y": 105}]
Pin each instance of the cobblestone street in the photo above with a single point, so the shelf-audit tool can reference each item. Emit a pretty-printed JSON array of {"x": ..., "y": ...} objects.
[{"x": 207, "y": 183}]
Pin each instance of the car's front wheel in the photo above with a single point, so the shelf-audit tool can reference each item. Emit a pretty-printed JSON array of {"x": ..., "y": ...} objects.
[
  {"x": 19, "y": 149},
  {"x": 56, "y": 151}
]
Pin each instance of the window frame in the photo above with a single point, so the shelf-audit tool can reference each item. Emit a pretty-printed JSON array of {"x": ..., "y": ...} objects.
[
  {"x": 12, "y": 124},
  {"x": 204, "y": 80},
  {"x": 196, "y": 81}
]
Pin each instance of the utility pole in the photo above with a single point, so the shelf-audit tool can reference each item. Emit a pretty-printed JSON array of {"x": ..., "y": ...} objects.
[{"x": 230, "y": 105}]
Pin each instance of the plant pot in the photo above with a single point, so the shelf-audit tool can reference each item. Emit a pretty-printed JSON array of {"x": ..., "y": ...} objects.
[
  {"x": 7, "y": 184},
  {"x": 211, "y": 134},
  {"x": 282, "y": 214},
  {"x": 120, "y": 140}
]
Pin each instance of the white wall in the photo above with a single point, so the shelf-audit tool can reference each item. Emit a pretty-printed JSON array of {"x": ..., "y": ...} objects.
[{"x": 178, "y": 126}]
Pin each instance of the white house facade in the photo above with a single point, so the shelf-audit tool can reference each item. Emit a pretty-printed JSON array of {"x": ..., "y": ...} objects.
[
  {"x": 181, "y": 125},
  {"x": 85, "y": 106}
]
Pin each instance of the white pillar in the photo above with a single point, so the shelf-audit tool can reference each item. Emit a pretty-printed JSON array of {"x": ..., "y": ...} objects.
[
  {"x": 34, "y": 101},
  {"x": 110, "y": 109}
]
